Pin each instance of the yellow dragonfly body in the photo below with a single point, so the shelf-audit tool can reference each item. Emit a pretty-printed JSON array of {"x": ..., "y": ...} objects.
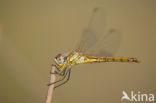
[
  {"x": 94, "y": 47},
  {"x": 76, "y": 57}
]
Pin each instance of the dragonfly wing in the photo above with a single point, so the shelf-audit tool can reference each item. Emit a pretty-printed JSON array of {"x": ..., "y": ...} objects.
[
  {"x": 97, "y": 23},
  {"x": 95, "y": 29},
  {"x": 107, "y": 45},
  {"x": 88, "y": 40},
  {"x": 95, "y": 41}
]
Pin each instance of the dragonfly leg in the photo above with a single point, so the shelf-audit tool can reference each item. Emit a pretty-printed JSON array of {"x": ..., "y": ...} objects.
[
  {"x": 60, "y": 74},
  {"x": 57, "y": 71},
  {"x": 57, "y": 68},
  {"x": 69, "y": 71},
  {"x": 64, "y": 74}
]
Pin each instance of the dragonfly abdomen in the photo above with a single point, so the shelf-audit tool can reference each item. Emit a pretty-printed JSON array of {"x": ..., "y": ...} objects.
[{"x": 111, "y": 59}]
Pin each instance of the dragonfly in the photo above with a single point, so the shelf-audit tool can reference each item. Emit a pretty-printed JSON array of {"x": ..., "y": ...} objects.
[{"x": 93, "y": 47}]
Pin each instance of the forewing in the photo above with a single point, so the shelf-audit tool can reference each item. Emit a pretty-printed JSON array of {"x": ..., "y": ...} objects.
[
  {"x": 88, "y": 40},
  {"x": 95, "y": 41},
  {"x": 95, "y": 29}
]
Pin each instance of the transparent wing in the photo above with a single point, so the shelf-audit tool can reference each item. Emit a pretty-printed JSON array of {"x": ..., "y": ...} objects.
[
  {"x": 88, "y": 40},
  {"x": 95, "y": 28},
  {"x": 94, "y": 41},
  {"x": 107, "y": 45}
]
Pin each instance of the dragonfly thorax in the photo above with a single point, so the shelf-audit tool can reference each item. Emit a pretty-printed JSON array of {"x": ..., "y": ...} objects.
[{"x": 76, "y": 58}]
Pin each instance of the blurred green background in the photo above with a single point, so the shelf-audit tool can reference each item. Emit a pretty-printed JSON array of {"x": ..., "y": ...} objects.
[{"x": 33, "y": 32}]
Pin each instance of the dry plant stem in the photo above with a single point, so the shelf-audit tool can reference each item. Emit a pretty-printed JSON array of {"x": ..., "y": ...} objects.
[{"x": 51, "y": 87}]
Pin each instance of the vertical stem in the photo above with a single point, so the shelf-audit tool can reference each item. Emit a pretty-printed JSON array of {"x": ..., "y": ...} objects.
[{"x": 51, "y": 87}]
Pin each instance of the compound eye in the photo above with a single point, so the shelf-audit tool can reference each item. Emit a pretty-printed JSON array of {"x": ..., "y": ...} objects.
[{"x": 59, "y": 60}]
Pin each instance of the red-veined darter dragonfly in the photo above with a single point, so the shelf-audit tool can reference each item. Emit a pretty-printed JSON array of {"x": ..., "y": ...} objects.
[{"x": 94, "y": 47}]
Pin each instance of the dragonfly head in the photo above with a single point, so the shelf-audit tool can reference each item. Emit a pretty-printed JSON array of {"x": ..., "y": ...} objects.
[{"x": 59, "y": 59}]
